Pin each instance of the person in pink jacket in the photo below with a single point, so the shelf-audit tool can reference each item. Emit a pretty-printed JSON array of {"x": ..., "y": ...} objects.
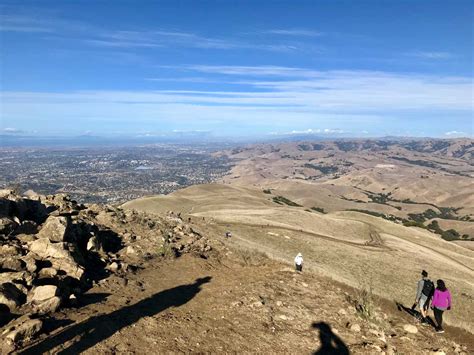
[{"x": 441, "y": 302}]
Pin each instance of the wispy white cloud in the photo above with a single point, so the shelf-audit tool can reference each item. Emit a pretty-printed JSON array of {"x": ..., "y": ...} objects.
[
  {"x": 98, "y": 36},
  {"x": 310, "y": 131},
  {"x": 456, "y": 134},
  {"x": 166, "y": 38},
  {"x": 18, "y": 23},
  {"x": 11, "y": 131},
  {"x": 347, "y": 97},
  {"x": 431, "y": 55},
  {"x": 293, "y": 32},
  {"x": 265, "y": 70}
]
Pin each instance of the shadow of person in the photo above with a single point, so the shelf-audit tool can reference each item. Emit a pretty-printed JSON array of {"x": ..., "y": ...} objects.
[
  {"x": 330, "y": 342},
  {"x": 96, "y": 329},
  {"x": 414, "y": 313},
  {"x": 411, "y": 311}
]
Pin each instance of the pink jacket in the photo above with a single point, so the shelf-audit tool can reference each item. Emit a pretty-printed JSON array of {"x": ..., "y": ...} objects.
[{"x": 441, "y": 299}]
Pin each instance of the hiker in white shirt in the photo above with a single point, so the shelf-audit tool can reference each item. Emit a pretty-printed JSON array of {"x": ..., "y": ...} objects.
[{"x": 299, "y": 262}]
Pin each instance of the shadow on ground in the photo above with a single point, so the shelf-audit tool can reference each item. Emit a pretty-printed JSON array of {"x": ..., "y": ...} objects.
[
  {"x": 330, "y": 342},
  {"x": 414, "y": 313},
  {"x": 96, "y": 329}
]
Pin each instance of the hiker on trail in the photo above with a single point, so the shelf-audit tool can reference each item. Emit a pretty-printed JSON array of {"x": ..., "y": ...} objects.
[
  {"x": 228, "y": 234},
  {"x": 299, "y": 262},
  {"x": 424, "y": 292},
  {"x": 441, "y": 302}
]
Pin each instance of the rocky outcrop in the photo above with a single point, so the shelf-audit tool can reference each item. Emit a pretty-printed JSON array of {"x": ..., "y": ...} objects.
[
  {"x": 53, "y": 249},
  {"x": 54, "y": 229},
  {"x": 59, "y": 256}
]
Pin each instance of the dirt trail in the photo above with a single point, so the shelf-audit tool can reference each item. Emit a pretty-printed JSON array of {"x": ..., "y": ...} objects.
[
  {"x": 227, "y": 305},
  {"x": 423, "y": 246},
  {"x": 373, "y": 243}
]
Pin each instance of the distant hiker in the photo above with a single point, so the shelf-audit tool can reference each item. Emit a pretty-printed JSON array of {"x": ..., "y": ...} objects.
[
  {"x": 189, "y": 219},
  {"x": 424, "y": 292},
  {"x": 441, "y": 302},
  {"x": 299, "y": 262},
  {"x": 228, "y": 234}
]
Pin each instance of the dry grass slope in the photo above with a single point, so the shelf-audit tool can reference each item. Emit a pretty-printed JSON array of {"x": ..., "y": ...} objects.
[{"x": 346, "y": 246}]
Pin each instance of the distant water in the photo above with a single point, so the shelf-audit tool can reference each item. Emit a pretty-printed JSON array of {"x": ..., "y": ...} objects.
[{"x": 144, "y": 167}]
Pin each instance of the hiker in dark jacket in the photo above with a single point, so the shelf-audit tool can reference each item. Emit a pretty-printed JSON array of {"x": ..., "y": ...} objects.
[
  {"x": 441, "y": 302},
  {"x": 424, "y": 292}
]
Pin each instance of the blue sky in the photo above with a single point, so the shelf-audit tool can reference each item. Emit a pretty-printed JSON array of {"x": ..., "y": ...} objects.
[{"x": 241, "y": 68}]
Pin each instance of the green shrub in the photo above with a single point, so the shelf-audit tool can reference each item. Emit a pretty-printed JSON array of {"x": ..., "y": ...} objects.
[
  {"x": 318, "y": 209},
  {"x": 284, "y": 201},
  {"x": 450, "y": 235}
]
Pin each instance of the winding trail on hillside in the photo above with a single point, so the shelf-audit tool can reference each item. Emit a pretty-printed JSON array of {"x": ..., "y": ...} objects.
[
  {"x": 425, "y": 247},
  {"x": 375, "y": 243}
]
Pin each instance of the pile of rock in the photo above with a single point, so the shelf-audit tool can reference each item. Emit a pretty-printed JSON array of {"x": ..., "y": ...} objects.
[{"x": 53, "y": 249}]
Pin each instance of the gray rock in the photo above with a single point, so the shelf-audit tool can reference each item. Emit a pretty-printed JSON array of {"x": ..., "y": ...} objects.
[
  {"x": 22, "y": 329},
  {"x": 45, "y": 292},
  {"x": 10, "y": 250},
  {"x": 45, "y": 249},
  {"x": 12, "y": 276},
  {"x": 30, "y": 262},
  {"x": 54, "y": 229},
  {"x": 12, "y": 264},
  {"x": 131, "y": 250},
  {"x": 11, "y": 296},
  {"x": 25, "y": 238},
  {"x": 58, "y": 255},
  {"x": 93, "y": 244},
  {"x": 410, "y": 328},
  {"x": 114, "y": 266},
  {"x": 355, "y": 328},
  {"x": 50, "y": 305},
  {"x": 47, "y": 272}
]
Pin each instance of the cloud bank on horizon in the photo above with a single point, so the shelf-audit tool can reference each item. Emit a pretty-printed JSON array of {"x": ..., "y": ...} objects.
[{"x": 237, "y": 69}]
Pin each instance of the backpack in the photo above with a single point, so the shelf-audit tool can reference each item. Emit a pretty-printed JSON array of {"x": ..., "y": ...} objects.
[{"x": 428, "y": 288}]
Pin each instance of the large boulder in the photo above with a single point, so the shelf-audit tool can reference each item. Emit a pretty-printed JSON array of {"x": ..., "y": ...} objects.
[
  {"x": 55, "y": 229},
  {"x": 11, "y": 296},
  {"x": 46, "y": 250},
  {"x": 44, "y": 299},
  {"x": 42, "y": 293},
  {"x": 50, "y": 305},
  {"x": 12, "y": 264},
  {"x": 60, "y": 257}
]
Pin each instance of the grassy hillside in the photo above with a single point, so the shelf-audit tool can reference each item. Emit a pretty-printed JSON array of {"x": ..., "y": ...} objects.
[{"x": 354, "y": 248}]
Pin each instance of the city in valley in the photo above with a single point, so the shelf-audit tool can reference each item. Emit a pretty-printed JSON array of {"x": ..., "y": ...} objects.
[{"x": 111, "y": 174}]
